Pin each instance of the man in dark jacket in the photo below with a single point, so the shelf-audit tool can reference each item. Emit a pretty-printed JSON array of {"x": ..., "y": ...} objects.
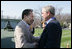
[{"x": 51, "y": 36}]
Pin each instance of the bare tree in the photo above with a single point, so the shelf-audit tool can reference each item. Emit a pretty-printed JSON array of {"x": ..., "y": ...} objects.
[
  {"x": 58, "y": 15},
  {"x": 38, "y": 16},
  {"x": 37, "y": 19}
]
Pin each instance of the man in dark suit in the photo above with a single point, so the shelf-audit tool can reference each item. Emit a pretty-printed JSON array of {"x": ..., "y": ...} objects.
[{"x": 51, "y": 36}]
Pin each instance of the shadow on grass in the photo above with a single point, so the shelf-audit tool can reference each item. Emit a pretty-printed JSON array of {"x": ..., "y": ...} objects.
[{"x": 7, "y": 43}]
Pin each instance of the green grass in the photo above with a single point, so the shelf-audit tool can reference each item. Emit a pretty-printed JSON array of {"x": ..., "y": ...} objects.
[
  {"x": 7, "y": 38},
  {"x": 66, "y": 38}
]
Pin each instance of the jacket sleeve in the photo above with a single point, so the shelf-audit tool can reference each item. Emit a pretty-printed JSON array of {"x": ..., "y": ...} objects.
[
  {"x": 33, "y": 38},
  {"x": 21, "y": 40}
]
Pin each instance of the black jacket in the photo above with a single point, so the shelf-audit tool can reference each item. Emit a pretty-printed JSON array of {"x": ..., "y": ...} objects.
[{"x": 51, "y": 36}]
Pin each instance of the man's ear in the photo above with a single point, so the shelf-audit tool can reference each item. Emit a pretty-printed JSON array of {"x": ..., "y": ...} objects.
[
  {"x": 25, "y": 16},
  {"x": 48, "y": 13}
]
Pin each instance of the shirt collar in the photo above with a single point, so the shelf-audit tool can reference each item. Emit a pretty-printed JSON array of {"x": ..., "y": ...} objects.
[
  {"x": 25, "y": 23},
  {"x": 50, "y": 20}
]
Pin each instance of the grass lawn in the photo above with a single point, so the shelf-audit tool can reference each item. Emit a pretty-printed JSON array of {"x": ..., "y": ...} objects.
[{"x": 7, "y": 38}]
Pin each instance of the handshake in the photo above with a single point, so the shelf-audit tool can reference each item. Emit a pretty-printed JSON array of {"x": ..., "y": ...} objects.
[{"x": 36, "y": 44}]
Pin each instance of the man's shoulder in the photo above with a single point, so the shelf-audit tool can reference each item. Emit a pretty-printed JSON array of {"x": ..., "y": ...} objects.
[
  {"x": 54, "y": 22},
  {"x": 20, "y": 24}
]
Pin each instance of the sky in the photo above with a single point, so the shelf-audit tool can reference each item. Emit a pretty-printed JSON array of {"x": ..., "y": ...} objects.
[{"x": 13, "y": 9}]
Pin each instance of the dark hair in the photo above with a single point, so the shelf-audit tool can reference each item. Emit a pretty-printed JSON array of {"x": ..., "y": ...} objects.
[{"x": 26, "y": 12}]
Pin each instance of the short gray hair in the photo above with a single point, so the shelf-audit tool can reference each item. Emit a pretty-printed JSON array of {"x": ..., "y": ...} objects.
[{"x": 50, "y": 9}]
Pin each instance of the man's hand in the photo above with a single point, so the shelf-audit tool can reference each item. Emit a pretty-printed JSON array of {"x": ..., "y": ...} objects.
[{"x": 36, "y": 44}]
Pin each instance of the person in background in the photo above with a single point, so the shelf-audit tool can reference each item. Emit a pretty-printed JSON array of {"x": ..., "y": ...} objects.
[{"x": 43, "y": 24}]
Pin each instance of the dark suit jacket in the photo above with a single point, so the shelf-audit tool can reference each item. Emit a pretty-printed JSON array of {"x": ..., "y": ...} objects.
[
  {"x": 33, "y": 31},
  {"x": 51, "y": 36}
]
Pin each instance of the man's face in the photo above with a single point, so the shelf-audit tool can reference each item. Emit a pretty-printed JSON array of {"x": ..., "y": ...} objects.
[
  {"x": 45, "y": 14},
  {"x": 30, "y": 18}
]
